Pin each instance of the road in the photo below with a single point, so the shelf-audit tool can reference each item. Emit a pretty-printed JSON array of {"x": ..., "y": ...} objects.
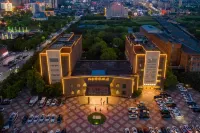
[{"x": 6, "y": 71}]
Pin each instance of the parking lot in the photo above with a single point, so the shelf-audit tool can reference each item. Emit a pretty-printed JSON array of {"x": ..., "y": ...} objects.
[{"x": 75, "y": 115}]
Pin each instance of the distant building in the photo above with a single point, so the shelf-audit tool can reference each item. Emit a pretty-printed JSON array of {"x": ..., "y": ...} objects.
[
  {"x": 38, "y": 7},
  {"x": 51, "y": 3},
  {"x": 6, "y": 6},
  {"x": 116, "y": 10}
]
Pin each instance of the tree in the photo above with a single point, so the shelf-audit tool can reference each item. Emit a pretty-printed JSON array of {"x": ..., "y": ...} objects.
[
  {"x": 39, "y": 83},
  {"x": 117, "y": 42},
  {"x": 171, "y": 79},
  {"x": 30, "y": 79},
  {"x": 108, "y": 54},
  {"x": 101, "y": 34}
]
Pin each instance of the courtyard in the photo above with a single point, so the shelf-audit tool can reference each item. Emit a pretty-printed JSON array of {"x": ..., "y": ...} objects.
[{"x": 75, "y": 114}]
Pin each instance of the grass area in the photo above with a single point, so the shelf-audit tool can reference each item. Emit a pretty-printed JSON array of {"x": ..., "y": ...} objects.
[{"x": 93, "y": 121}]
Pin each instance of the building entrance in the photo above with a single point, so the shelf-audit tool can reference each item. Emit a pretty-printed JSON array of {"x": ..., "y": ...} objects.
[{"x": 98, "y": 100}]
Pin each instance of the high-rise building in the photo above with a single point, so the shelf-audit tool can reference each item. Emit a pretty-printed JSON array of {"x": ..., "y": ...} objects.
[
  {"x": 51, "y": 3},
  {"x": 38, "y": 7}
]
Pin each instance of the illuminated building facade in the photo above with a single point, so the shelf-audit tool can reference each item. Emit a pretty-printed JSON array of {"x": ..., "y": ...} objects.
[
  {"x": 7, "y": 6},
  {"x": 147, "y": 61},
  {"x": 59, "y": 59},
  {"x": 116, "y": 10},
  {"x": 183, "y": 51},
  {"x": 60, "y": 62}
]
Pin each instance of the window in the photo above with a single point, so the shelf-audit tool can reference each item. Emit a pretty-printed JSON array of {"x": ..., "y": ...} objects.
[
  {"x": 117, "y": 85},
  {"x": 78, "y": 85},
  {"x": 124, "y": 86},
  {"x": 53, "y": 59},
  {"x": 123, "y": 92}
]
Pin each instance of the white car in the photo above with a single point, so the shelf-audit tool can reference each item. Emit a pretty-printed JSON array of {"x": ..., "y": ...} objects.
[
  {"x": 126, "y": 130},
  {"x": 57, "y": 131},
  {"x": 48, "y": 103},
  {"x": 132, "y": 116},
  {"x": 13, "y": 117},
  {"x": 48, "y": 117},
  {"x": 134, "y": 130},
  {"x": 53, "y": 118},
  {"x": 42, "y": 118},
  {"x": 151, "y": 130},
  {"x": 51, "y": 131},
  {"x": 30, "y": 119},
  {"x": 175, "y": 129},
  {"x": 157, "y": 130},
  {"x": 54, "y": 102},
  {"x": 36, "y": 117}
]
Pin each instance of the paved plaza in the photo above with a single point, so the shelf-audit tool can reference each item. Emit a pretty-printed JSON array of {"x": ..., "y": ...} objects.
[{"x": 75, "y": 114}]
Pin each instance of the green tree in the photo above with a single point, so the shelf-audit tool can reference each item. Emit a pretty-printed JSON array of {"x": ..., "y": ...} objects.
[
  {"x": 108, "y": 54},
  {"x": 39, "y": 83},
  {"x": 171, "y": 79},
  {"x": 117, "y": 42},
  {"x": 30, "y": 79},
  {"x": 101, "y": 34}
]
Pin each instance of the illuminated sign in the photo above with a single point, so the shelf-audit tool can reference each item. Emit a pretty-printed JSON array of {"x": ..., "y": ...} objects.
[{"x": 151, "y": 67}]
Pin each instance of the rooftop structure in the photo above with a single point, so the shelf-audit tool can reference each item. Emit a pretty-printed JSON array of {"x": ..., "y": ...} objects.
[
  {"x": 151, "y": 29},
  {"x": 109, "y": 67}
]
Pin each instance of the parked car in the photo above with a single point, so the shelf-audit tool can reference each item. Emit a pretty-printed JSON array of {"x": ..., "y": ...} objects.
[
  {"x": 126, "y": 130},
  {"x": 163, "y": 129},
  {"x": 175, "y": 129},
  {"x": 134, "y": 130},
  {"x": 30, "y": 119},
  {"x": 13, "y": 117},
  {"x": 33, "y": 100},
  {"x": 158, "y": 130},
  {"x": 24, "y": 119},
  {"x": 36, "y": 117},
  {"x": 57, "y": 131},
  {"x": 54, "y": 102},
  {"x": 6, "y": 102},
  {"x": 42, "y": 102},
  {"x": 48, "y": 103},
  {"x": 42, "y": 118},
  {"x": 6, "y": 126},
  {"x": 48, "y": 117},
  {"x": 53, "y": 117},
  {"x": 59, "y": 119}
]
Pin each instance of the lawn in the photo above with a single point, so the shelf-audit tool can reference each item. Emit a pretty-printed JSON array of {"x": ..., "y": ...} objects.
[{"x": 96, "y": 118}]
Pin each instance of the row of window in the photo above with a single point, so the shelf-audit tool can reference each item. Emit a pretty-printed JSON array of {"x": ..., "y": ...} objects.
[{"x": 54, "y": 65}]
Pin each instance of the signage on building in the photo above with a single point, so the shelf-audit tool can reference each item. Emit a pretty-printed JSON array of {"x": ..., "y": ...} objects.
[{"x": 151, "y": 67}]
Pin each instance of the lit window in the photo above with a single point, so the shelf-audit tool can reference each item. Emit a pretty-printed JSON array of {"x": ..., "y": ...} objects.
[
  {"x": 124, "y": 86},
  {"x": 117, "y": 85},
  {"x": 78, "y": 85}
]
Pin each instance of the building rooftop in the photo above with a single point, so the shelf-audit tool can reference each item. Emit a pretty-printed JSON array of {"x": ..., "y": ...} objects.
[
  {"x": 181, "y": 36},
  {"x": 151, "y": 29},
  {"x": 66, "y": 40},
  {"x": 140, "y": 42},
  {"x": 85, "y": 67}
]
